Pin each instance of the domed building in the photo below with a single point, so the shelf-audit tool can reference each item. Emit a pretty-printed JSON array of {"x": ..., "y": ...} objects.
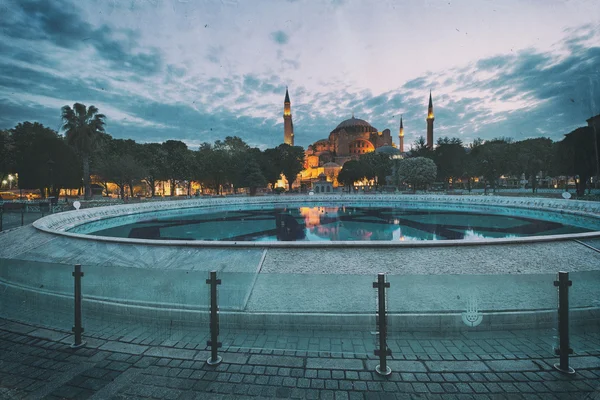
[{"x": 347, "y": 141}]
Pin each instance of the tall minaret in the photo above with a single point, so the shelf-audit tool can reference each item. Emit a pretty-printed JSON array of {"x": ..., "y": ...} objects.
[
  {"x": 288, "y": 126},
  {"x": 430, "y": 119},
  {"x": 401, "y": 136}
]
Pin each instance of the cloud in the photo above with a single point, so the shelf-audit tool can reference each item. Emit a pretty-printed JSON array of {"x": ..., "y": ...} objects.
[
  {"x": 204, "y": 84},
  {"x": 280, "y": 37},
  {"x": 58, "y": 23}
]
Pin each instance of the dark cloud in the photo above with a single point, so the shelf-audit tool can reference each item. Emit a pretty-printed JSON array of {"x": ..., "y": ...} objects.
[
  {"x": 58, "y": 22},
  {"x": 280, "y": 37},
  {"x": 554, "y": 94}
]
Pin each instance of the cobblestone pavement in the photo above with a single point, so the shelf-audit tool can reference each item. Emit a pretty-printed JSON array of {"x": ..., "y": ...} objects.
[{"x": 38, "y": 363}]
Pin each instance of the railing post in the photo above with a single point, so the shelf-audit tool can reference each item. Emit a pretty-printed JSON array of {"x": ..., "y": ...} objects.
[
  {"x": 214, "y": 343},
  {"x": 77, "y": 328},
  {"x": 383, "y": 351},
  {"x": 563, "y": 349},
  {"x": 22, "y": 213}
]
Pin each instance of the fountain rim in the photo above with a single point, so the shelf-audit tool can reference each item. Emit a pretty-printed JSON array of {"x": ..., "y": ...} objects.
[{"x": 59, "y": 224}]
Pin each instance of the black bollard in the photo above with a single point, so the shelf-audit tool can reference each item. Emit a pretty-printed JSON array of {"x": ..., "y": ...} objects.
[
  {"x": 214, "y": 343},
  {"x": 383, "y": 351},
  {"x": 564, "y": 349},
  {"x": 77, "y": 328}
]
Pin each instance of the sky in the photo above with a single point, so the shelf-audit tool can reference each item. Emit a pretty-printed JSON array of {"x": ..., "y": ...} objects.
[{"x": 199, "y": 71}]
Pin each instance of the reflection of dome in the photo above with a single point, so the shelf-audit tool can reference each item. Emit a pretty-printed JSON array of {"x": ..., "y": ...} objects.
[
  {"x": 355, "y": 124},
  {"x": 387, "y": 149}
]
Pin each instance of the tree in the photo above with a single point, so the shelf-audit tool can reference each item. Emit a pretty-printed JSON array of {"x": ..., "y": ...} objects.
[
  {"x": 419, "y": 148},
  {"x": 377, "y": 166},
  {"x": 530, "y": 157},
  {"x": 576, "y": 154},
  {"x": 152, "y": 157},
  {"x": 253, "y": 177},
  {"x": 176, "y": 166},
  {"x": 417, "y": 171},
  {"x": 491, "y": 159},
  {"x": 43, "y": 159},
  {"x": 449, "y": 156},
  {"x": 270, "y": 166},
  {"x": 212, "y": 167},
  {"x": 352, "y": 171},
  {"x": 121, "y": 165},
  {"x": 292, "y": 161},
  {"x": 6, "y": 155},
  {"x": 237, "y": 153},
  {"x": 82, "y": 127}
]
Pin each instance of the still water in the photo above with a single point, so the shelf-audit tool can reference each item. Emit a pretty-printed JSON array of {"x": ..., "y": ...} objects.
[{"x": 330, "y": 223}]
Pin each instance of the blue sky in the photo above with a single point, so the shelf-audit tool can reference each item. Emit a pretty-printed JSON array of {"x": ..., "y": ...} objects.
[{"x": 201, "y": 70}]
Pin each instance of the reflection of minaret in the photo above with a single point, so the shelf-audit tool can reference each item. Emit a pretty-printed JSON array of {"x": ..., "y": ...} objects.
[
  {"x": 288, "y": 126},
  {"x": 401, "y": 135},
  {"x": 430, "y": 119}
]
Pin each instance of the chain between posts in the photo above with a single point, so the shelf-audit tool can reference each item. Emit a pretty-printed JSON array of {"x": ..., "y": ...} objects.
[
  {"x": 214, "y": 344},
  {"x": 383, "y": 351},
  {"x": 563, "y": 283},
  {"x": 77, "y": 328}
]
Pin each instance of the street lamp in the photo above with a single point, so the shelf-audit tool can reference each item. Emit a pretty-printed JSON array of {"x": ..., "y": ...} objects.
[{"x": 10, "y": 179}]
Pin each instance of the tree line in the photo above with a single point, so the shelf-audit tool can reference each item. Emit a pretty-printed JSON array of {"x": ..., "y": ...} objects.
[
  {"x": 576, "y": 155},
  {"x": 49, "y": 161}
]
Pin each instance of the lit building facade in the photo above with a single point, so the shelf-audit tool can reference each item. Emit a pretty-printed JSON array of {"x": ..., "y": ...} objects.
[{"x": 347, "y": 141}]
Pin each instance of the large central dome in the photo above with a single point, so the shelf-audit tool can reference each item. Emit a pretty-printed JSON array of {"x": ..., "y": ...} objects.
[{"x": 351, "y": 123}]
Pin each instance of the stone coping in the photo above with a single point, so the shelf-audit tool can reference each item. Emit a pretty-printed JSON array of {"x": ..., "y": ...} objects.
[{"x": 61, "y": 223}]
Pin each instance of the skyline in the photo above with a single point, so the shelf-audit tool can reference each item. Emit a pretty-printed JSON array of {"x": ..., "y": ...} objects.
[{"x": 200, "y": 71}]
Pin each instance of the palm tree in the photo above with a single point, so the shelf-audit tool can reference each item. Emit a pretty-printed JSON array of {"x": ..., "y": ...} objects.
[{"x": 83, "y": 127}]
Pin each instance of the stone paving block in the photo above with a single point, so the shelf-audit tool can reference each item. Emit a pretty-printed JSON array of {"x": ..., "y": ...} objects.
[
  {"x": 123, "y": 348},
  {"x": 456, "y": 366},
  {"x": 329, "y": 363},
  {"x": 49, "y": 334},
  {"x": 584, "y": 362},
  {"x": 228, "y": 358},
  {"x": 282, "y": 361},
  {"x": 513, "y": 365},
  {"x": 170, "y": 352}
]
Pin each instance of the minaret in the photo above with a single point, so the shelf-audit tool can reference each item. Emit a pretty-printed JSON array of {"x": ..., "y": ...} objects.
[
  {"x": 430, "y": 119},
  {"x": 288, "y": 126},
  {"x": 401, "y": 136}
]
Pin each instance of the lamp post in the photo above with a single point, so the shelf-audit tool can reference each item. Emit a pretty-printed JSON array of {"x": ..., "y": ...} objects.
[{"x": 10, "y": 179}]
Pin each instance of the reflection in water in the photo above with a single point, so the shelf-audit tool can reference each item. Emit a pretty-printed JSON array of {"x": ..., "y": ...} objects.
[
  {"x": 288, "y": 228},
  {"x": 338, "y": 223}
]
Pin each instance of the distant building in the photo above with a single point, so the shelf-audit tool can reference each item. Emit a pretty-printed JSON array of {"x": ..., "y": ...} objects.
[
  {"x": 349, "y": 140},
  {"x": 430, "y": 119},
  {"x": 288, "y": 125},
  {"x": 322, "y": 185},
  {"x": 594, "y": 122}
]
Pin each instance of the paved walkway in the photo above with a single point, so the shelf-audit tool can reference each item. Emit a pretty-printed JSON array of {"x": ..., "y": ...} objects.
[{"x": 38, "y": 363}]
